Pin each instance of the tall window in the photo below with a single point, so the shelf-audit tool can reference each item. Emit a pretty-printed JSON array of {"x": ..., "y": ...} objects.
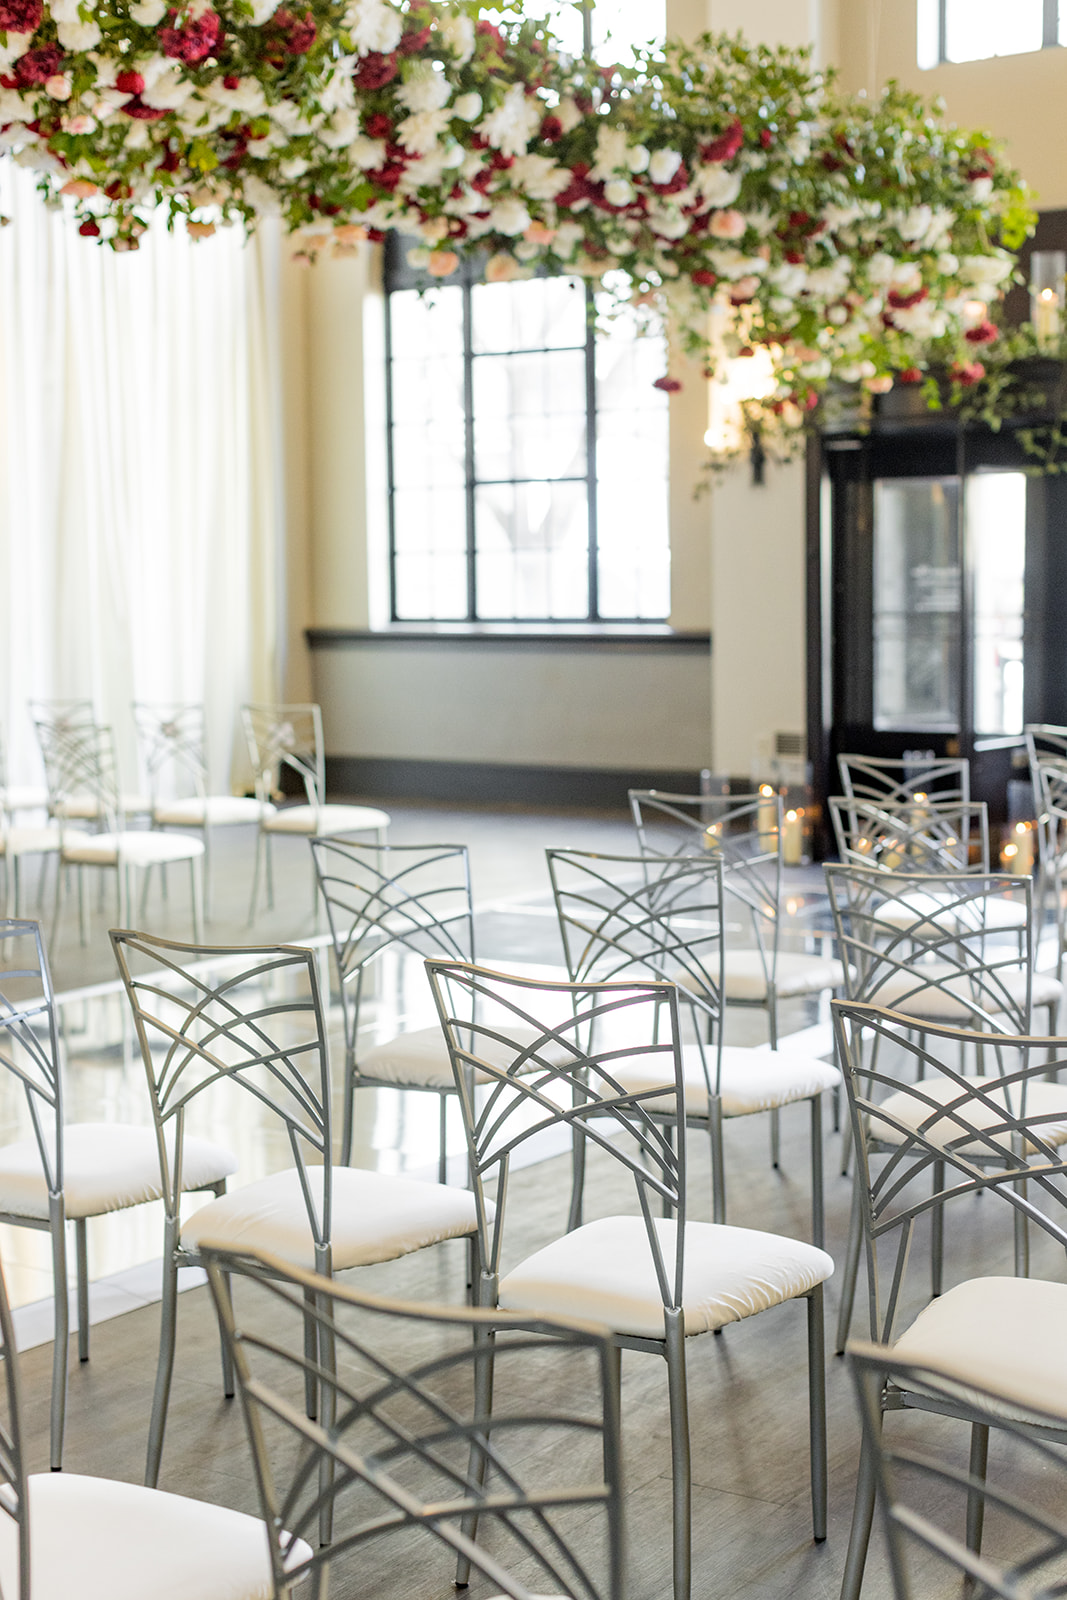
[
  {"x": 973, "y": 30},
  {"x": 527, "y": 455}
]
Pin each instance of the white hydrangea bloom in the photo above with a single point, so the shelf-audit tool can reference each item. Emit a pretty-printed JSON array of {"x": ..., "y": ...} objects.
[
  {"x": 248, "y": 96},
  {"x": 789, "y": 279},
  {"x": 510, "y": 216},
  {"x": 260, "y": 196},
  {"x": 420, "y": 132},
  {"x": 457, "y": 34},
  {"x": 340, "y": 130},
  {"x": 618, "y": 191},
  {"x": 262, "y": 11},
  {"x": 638, "y": 157},
  {"x": 64, "y": 11},
  {"x": 881, "y": 267},
  {"x": 668, "y": 221},
  {"x": 423, "y": 89},
  {"x": 924, "y": 321},
  {"x": 338, "y": 92},
  {"x": 539, "y": 176},
  {"x": 148, "y": 12},
  {"x": 991, "y": 269},
  {"x": 295, "y": 167},
  {"x": 663, "y": 164},
  {"x": 169, "y": 92},
  {"x": 17, "y": 45},
  {"x": 948, "y": 264},
  {"x": 373, "y": 25},
  {"x": 734, "y": 265},
  {"x": 716, "y": 185},
  {"x": 568, "y": 113},
  {"x": 514, "y": 122},
  {"x": 611, "y": 152},
  {"x": 425, "y": 173},
  {"x": 467, "y": 106},
  {"x": 568, "y": 236}
]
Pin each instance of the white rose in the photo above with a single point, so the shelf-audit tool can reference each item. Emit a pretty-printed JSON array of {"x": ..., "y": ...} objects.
[
  {"x": 17, "y": 45},
  {"x": 64, "y": 11},
  {"x": 881, "y": 267},
  {"x": 167, "y": 93},
  {"x": 568, "y": 114},
  {"x": 789, "y": 278},
  {"x": 453, "y": 157},
  {"x": 948, "y": 264},
  {"x": 78, "y": 35},
  {"x": 981, "y": 189},
  {"x": 718, "y": 186},
  {"x": 262, "y": 11},
  {"x": 668, "y": 222},
  {"x": 457, "y": 34},
  {"x": 638, "y": 157},
  {"x": 986, "y": 269},
  {"x": 295, "y": 167},
  {"x": 59, "y": 86},
  {"x": 663, "y": 164},
  {"x": 618, "y": 191},
  {"x": 467, "y": 106},
  {"x": 423, "y": 89},
  {"x": 148, "y": 12},
  {"x": 510, "y": 216}
]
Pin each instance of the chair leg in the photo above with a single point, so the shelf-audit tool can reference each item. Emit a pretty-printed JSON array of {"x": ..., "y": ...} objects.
[
  {"x": 937, "y": 1234},
  {"x": 327, "y": 1411},
  {"x": 61, "y": 1335},
  {"x": 81, "y": 1248},
  {"x": 228, "y": 1388},
  {"x": 16, "y": 885},
  {"x": 348, "y": 1106},
  {"x": 718, "y": 1173},
  {"x": 860, "y": 1533},
  {"x": 196, "y": 890},
  {"x": 83, "y": 922},
  {"x": 484, "y": 1344},
  {"x": 311, "y": 1357},
  {"x": 208, "y": 907},
  {"x": 270, "y": 871},
  {"x": 168, "y": 1319},
  {"x": 442, "y": 1155},
  {"x": 1022, "y": 1235},
  {"x": 817, "y": 1411},
  {"x": 776, "y": 1139},
  {"x": 674, "y": 1351},
  {"x": 255, "y": 878},
  {"x": 613, "y": 1398},
  {"x": 852, "y": 1262},
  {"x": 818, "y": 1223},
  {"x": 975, "y": 1495}
]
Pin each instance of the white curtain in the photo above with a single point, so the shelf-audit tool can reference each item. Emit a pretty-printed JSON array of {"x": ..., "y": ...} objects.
[{"x": 140, "y": 475}]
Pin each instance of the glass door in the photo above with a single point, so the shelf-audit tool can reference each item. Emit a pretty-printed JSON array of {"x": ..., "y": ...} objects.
[{"x": 916, "y": 605}]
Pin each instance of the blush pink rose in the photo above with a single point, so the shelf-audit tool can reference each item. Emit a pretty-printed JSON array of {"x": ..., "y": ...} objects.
[{"x": 726, "y": 224}]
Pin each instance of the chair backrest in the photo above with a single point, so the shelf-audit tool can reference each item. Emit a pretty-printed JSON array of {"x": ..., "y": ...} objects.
[
  {"x": 289, "y": 736},
  {"x": 948, "y": 1134},
  {"x": 29, "y": 1040},
  {"x": 932, "y": 944},
  {"x": 915, "y": 835},
  {"x": 249, "y": 1017},
  {"x": 393, "y": 897},
  {"x": 646, "y": 917},
  {"x": 923, "y": 1496},
  {"x": 170, "y": 734},
  {"x": 407, "y": 1425},
  {"x": 941, "y": 778},
  {"x": 62, "y": 714},
  {"x": 80, "y": 763},
  {"x": 538, "y": 1075}
]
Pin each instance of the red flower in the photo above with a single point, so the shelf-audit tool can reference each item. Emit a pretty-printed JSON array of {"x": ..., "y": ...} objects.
[
  {"x": 171, "y": 160},
  {"x": 129, "y": 83},
  {"x": 387, "y": 177},
  {"x": 982, "y": 164},
  {"x": 830, "y": 162},
  {"x": 374, "y": 71},
  {"x": 231, "y": 81},
  {"x": 667, "y": 384},
  {"x": 137, "y": 108},
  {"x": 37, "y": 66},
  {"x": 704, "y": 277},
  {"x": 89, "y": 229},
  {"x": 904, "y": 302},
  {"x": 486, "y": 30},
  {"x": 967, "y": 373},
  {"x": 910, "y": 375},
  {"x": 412, "y": 42},
  {"x": 196, "y": 39},
  {"x": 20, "y": 16},
  {"x": 766, "y": 138},
  {"x": 983, "y": 333},
  {"x": 726, "y": 146},
  {"x": 298, "y": 33},
  {"x": 551, "y": 129},
  {"x": 378, "y": 126},
  {"x": 794, "y": 257}
]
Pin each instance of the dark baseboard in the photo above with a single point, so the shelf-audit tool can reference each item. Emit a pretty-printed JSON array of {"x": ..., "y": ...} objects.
[{"x": 496, "y": 783}]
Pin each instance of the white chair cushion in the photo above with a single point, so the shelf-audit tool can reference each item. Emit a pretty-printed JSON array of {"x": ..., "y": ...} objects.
[
  {"x": 904, "y": 911},
  {"x": 107, "y": 1166},
  {"x": 324, "y": 819},
  {"x": 22, "y": 797},
  {"x": 86, "y": 807},
  {"x": 904, "y": 989},
  {"x": 139, "y": 849},
  {"x": 604, "y": 1272},
  {"x": 28, "y": 841},
  {"x": 1006, "y": 1334},
  {"x": 907, "y": 1106},
  {"x": 376, "y": 1217},
  {"x": 751, "y": 1080},
  {"x": 796, "y": 973},
  {"x": 212, "y": 810},
  {"x": 100, "y": 1540},
  {"x": 420, "y": 1058}
]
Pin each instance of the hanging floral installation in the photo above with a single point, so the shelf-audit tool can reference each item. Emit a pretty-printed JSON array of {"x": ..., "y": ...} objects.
[{"x": 733, "y": 190}]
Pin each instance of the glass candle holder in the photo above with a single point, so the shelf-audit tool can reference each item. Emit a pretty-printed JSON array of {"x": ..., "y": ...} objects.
[{"x": 1048, "y": 272}]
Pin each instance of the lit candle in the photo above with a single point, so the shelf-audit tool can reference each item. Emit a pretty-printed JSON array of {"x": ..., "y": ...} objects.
[
  {"x": 767, "y": 818},
  {"x": 1047, "y": 270},
  {"x": 1047, "y": 318},
  {"x": 713, "y": 836},
  {"x": 793, "y": 839},
  {"x": 1023, "y": 839}
]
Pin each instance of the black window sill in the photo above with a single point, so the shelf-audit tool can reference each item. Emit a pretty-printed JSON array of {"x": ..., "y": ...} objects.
[{"x": 562, "y": 635}]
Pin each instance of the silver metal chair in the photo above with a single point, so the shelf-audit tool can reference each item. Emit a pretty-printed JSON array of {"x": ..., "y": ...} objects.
[
  {"x": 221, "y": 1021},
  {"x": 64, "y": 1534},
  {"x": 655, "y": 1282},
  {"x": 82, "y": 764},
  {"x": 925, "y": 946},
  {"x": 291, "y": 736},
  {"x": 925, "y": 1498},
  {"x": 1049, "y": 774},
  {"x": 63, "y": 723},
  {"x": 68, "y": 1172},
  {"x": 383, "y": 902},
  {"x": 747, "y": 832},
  {"x": 879, "y": 778},
  {"x": 661, "y": 917},
  {"x": 16, "y": 842},
  {"x": 171, "y": 737},
  {"x": 405, "y": 1428},
  {"x": 994, "y": 1136},
  {"x": 911, "y": 835}
]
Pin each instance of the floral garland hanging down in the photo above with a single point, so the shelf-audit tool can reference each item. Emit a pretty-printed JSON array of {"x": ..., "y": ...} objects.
[{"x": 856, "y": 240}]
